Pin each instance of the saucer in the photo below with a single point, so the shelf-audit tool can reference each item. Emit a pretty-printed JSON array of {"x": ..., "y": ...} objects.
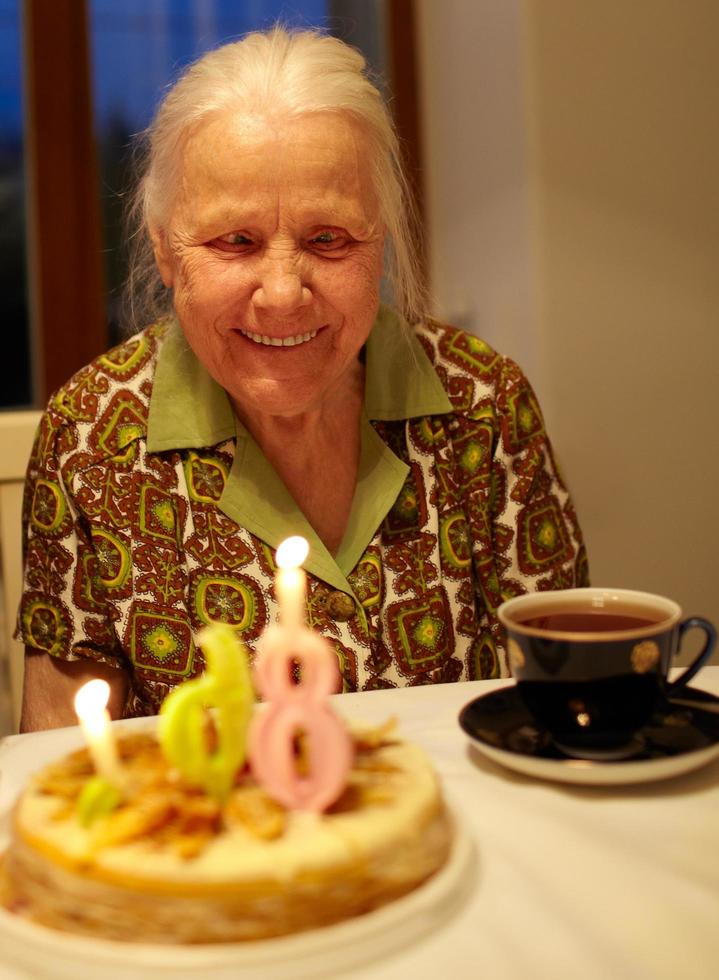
[{"x": 676, "y": 740}]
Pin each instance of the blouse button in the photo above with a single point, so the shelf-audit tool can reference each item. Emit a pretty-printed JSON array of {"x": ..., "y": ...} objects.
[{"x": 340, "y": 606}]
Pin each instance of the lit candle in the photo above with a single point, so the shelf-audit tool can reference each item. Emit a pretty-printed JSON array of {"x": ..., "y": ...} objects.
[
  {"x": 297, "y": 709},
  {"x": 290, "y": 581},
  {"x": 90, "y": 707},
  {"x": 226, "y": 690}
]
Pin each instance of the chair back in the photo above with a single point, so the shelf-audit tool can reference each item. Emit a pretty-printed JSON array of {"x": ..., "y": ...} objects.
[{"x": 17, "y": 431}]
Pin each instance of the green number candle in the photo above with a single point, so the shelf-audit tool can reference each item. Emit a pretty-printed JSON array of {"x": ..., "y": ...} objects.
[{"x": 225, "y": 690}]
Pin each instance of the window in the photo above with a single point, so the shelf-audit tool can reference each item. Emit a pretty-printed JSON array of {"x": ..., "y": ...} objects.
[{"x": 16, "y": 386}]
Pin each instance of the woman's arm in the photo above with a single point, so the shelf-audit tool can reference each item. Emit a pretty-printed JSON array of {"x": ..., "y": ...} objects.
[{"x": 50, "y": 686}]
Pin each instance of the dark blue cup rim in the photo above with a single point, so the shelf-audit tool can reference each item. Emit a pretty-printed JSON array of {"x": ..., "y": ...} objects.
[{"x": 668, "y": 613}]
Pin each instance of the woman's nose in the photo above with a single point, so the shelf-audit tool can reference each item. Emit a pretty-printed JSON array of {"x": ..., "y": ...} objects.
[{"x": 281, "y": 288}]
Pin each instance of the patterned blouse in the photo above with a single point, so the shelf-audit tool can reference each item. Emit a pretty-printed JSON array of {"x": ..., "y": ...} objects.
[{"x": 151, "y": 512}]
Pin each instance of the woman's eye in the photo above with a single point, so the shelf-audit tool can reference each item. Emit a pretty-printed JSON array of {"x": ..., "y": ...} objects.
[
  {"x": 235, "y": 241},
  {"x": 327, "y": 241}
]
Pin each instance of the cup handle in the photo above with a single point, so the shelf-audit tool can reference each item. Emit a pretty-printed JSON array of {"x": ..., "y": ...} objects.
[{"x": 694, "y": 622}]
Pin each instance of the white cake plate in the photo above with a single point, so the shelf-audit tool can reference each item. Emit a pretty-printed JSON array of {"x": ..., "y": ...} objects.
[
  {"x": 28, "y": 950},
  {"x": 33, "y": 951}
]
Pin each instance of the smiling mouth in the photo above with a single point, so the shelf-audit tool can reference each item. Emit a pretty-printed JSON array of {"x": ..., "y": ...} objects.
[{"x": 301, "y": 338}]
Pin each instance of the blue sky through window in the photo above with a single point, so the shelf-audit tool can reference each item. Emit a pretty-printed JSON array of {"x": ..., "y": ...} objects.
[
  {"x": 10, "y": 71},
  {"x": 139, "y": 46}
]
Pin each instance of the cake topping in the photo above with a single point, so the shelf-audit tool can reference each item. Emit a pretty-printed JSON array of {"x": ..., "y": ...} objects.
[{"x": 163, "y": 807}]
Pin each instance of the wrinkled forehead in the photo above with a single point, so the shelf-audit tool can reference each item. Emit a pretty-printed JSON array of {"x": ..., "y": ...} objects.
[{"x": 314, "y": 160}]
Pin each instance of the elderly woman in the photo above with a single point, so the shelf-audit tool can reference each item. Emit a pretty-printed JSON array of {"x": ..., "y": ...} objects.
[{"x": 275, "y": 395}]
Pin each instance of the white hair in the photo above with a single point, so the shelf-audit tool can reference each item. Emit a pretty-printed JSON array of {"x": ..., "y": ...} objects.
[{"x": 268, "y": 73}]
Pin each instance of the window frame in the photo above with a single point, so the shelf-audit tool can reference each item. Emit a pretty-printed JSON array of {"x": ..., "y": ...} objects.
[{"x": 64, "y": 235}]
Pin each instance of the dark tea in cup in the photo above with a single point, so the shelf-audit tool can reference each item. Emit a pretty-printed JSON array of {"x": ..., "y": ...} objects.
[{"x": 592, "y": 664}]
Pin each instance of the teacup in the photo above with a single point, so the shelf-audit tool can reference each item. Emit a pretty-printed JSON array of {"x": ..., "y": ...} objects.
[{"x": 592, "y": 664}]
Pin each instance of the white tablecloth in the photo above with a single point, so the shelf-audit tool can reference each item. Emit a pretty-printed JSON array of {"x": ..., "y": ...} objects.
[{"x": 591, "y": 883}]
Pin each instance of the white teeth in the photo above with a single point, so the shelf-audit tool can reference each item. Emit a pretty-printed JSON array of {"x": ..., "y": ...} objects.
[{"x": 279, "y": 341}]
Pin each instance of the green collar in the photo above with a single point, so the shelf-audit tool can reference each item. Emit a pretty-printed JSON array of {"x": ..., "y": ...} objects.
[
  {"x": 400, "y": 382},
  {"x": 189, "y": 410}
]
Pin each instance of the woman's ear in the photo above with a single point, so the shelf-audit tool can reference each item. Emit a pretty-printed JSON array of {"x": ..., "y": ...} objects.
[{"x": 163, "y": 254}]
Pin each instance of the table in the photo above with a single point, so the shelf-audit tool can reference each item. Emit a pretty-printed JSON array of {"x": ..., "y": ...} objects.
[{"x": 584, "y": 882}]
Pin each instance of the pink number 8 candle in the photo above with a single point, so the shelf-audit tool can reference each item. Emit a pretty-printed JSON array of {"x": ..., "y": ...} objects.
[{"x": 295, "y": 709}]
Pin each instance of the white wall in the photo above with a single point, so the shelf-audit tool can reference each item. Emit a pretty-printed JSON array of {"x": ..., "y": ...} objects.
[
  {"x": 477, "y": 190},
  {"x": 572, "y": 154}
]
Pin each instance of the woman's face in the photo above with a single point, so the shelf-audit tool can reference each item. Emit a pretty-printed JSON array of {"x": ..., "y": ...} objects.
[{"x": 273, "y": 250}]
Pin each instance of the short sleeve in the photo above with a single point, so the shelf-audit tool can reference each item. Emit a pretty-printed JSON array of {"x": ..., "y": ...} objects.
[
  {"x": 535, "y": 526},
  {"x": 62, "y": 612}
]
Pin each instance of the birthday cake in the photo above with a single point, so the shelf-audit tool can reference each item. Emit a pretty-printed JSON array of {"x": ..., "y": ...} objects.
[
  {"x": 227, "y": 822},
  {"x": 172, "y": 864}
]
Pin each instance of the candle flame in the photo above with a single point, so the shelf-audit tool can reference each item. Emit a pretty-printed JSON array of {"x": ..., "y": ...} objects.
[
  {"x": 292, "y": 552},
  {"x": 91, "y": 700}
]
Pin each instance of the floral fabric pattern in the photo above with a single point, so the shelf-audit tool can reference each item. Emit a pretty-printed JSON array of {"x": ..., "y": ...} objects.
[{"x": 128, "y": 555}]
